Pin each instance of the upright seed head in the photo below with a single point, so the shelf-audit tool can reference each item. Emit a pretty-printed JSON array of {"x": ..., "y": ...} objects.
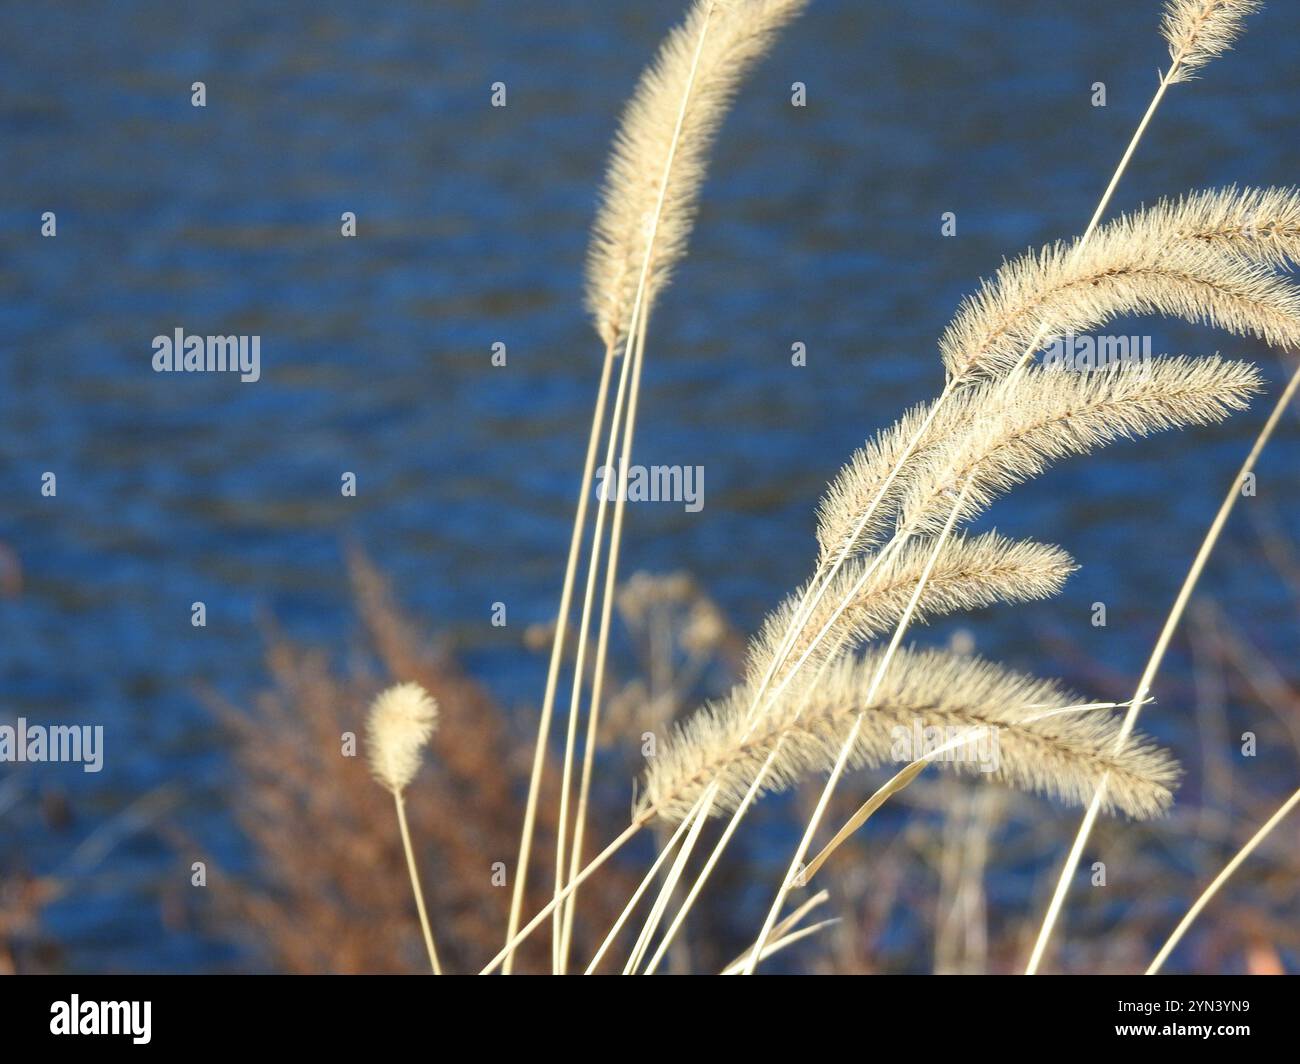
[
  {"x": 401, "y": 720},
  {"x": 1200, "y": 30}
]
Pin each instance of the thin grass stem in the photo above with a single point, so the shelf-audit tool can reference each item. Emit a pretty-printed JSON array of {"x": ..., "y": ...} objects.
[
  {"x": 602, "y": 645},
  {"x": 1220, "y": 879},
  {"x": 619, "y": 842},
  {"x": 557, "y": 656},
  {"x": 646, "y": 880},
  {"x": 793, "y": 873},
  {"x": 651, "y": 924},
  {"x": 638, "y": 310},
  {"x": 415, "y": 884}
]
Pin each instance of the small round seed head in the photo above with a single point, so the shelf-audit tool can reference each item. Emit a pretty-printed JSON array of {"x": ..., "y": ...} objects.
[{"x": 401, "y": 720}]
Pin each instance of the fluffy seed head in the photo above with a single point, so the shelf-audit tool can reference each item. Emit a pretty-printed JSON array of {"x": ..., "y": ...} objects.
[
  {"x": 401, "y": 720},
  {"x": 1045, "y": 741},
  {"x": 970, "y": 573},
  {"x": 1141, "y": 263},
  {"x": 1260, "y": 224},
  {"x": 738, "y": 33},
  {"x": 1026, "y": 423},
  {"x": 1201, "y": 30},
  {"x": 856, "y": 511}
]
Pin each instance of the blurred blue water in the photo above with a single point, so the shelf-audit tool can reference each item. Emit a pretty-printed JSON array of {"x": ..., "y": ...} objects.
[{"x": 818, "y": 225}]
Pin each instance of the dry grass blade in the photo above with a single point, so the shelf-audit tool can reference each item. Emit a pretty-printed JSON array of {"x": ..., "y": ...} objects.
[
  {"x": 1201, "y": 30},
  {"x": 1046, "y": 414},
  {"x": 897, "y": 782},
  {"x": 741, "y": 31},
  {"x": 1137, "y": 264},
  {"x": 777, "y": 943},
  {"x": 970, "y": 574},
  {"x": 1063, "y": 755},
  {"x": 782, "y": 933}
]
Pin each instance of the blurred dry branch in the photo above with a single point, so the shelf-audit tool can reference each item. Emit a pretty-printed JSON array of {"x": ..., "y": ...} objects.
[{"x": 330, "y": 893}]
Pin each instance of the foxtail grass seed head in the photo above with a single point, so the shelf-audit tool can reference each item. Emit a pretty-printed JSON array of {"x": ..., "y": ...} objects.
[
  {"x": 401, "y": 721},
  {"x": 1065, "y": 755},
  {"x": 1043, "y": 415},
  {"x": 739, "y": 32},
  {"x": 970, "y": 573},
  {"x": 1141, "y": 263},
  {"x": 1201, "y": 30},
  {"x": 1260, "y": 224},
  {"x": 856, "y": 512}
]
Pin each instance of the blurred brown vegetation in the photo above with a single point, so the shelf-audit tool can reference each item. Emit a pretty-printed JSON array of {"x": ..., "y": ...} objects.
[
  {"x": 942, "y": 880},
  {"x": 332, "y": 893}
]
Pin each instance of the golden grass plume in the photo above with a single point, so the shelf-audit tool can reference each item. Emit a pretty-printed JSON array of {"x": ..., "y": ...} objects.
[
  {"x": 1261, "y": 224},
  {"x": 401, "y": 721},
  {"x": 1200, "y": 30},
  {"x": 1141, "y": 263},
  {"x": 971, "y": 573},
  {"x": 739, "y": 33},
  {"x": 864, "y": 481},
  {"x": 1047, "y": 414},
  {"x": 1061, "y": 754},
  {"x": 1008, "y": 431}
]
